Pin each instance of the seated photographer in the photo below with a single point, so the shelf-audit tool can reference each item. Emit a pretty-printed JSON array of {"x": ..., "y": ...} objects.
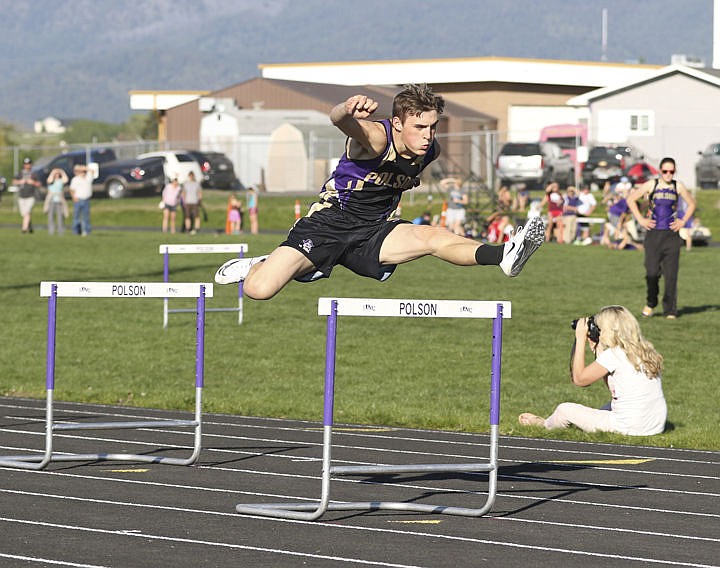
[{"x": 630, "y": 367}]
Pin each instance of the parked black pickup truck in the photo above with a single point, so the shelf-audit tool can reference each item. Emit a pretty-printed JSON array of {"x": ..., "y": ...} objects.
[{"x": 116, "y": 178}]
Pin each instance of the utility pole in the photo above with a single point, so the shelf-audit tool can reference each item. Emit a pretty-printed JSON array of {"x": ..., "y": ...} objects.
[{"x": 603, "y": 57}]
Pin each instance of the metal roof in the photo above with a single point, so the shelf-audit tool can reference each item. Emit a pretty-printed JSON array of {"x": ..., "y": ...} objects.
[
  {"x": 332, "y": 94},
  {"x": 708, "y": 75},
  {"x": 460, "y": 70},
  {"x": 161, "y": 100}
]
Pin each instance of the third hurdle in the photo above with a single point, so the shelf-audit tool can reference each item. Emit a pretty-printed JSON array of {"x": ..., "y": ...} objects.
[{"x": 167, "y": 250}]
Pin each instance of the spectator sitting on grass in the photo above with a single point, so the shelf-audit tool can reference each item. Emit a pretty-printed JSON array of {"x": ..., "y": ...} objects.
[{"x": 630, "y": 367}]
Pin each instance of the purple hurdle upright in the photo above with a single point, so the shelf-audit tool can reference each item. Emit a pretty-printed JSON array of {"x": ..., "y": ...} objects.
[
  {"x": 167, "y": 250},
  {"x": 335, "y": 307},
  {"x": 54, "y": 290}
]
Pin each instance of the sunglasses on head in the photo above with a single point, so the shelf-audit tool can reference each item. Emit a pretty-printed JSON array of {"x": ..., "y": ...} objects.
[{"x": 668, "y": 171}]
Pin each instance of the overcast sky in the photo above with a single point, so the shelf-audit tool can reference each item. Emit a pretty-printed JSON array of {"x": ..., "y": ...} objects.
[{"x": 79, "y": 58}]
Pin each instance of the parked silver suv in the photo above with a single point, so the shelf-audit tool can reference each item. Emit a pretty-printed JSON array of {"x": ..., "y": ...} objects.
[{"x": 534, "y": 164}]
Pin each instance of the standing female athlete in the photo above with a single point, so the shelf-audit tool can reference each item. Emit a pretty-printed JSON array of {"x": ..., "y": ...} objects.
[{"x": 662, "y": 241}]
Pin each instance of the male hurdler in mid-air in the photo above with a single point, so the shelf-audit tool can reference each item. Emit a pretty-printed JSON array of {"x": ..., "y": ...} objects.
[{"x": 350, "y": 224}]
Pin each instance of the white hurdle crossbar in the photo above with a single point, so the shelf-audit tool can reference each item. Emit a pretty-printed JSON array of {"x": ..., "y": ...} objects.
[
  {"x": 54, "y": 290},
  {"x": 334, "y": 307},
  {"x": 167, "y": 250}
]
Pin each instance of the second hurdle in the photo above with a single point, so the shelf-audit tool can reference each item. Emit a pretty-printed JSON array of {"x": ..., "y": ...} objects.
[
  {"x": 333, "y": 308},
  {"x": 166, "y": 250}
]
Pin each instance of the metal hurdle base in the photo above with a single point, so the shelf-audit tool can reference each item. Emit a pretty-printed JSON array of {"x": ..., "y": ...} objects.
[
  {"x": 314, "y": 510},
  {"x": 311, "y": 511},
  {"x": 40, "y": 461},
  {"x": 104, "y": 289}
]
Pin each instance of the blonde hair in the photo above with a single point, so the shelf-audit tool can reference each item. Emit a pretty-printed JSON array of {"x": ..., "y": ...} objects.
[{"x": 619, "y": 328}]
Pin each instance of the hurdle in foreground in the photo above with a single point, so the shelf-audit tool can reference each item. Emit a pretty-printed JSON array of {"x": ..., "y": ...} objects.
[
  {"x": 54, "y": 290},
  {"x": 167, "y": 250},
  {"x": 408, "y": 309}
]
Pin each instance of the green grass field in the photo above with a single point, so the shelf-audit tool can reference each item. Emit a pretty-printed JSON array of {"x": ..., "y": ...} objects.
[{"x": 419, "y": 373}]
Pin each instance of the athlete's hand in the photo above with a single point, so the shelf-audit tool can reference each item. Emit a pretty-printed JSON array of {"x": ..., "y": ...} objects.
[
  {"x": 360, "y": 106},
  {"x": 648, "y": 223},
  {"x": 677, "y": 224}
]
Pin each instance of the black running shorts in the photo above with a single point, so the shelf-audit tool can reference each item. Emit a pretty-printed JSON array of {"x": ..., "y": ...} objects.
[{"x": 331, "y": 236}]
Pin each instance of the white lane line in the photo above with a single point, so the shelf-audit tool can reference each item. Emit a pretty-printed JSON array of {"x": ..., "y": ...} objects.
[
  {"x": 574, "y": 552},
  {"x": 285, "y": 497},
  {"x": 609, "y": 529},
  {"x": 147, "y": 536},
  {"x": 311, "y": 427},
  {"x": 276, "y": 496},
  {"x": 48, "y": 561},
  {"x": 318, "y": 444},
  {"x": 553, "y": 481}
]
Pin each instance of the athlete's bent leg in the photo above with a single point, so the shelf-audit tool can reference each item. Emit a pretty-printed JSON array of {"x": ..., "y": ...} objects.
[
  {"x": 407, "y": 242},
  {"x": 267, "y": 278}
]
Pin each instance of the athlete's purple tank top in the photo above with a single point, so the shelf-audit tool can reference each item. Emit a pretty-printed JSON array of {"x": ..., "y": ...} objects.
[
  {"x": 663, "y": 205},
  {"x": 371, "y": 189}
]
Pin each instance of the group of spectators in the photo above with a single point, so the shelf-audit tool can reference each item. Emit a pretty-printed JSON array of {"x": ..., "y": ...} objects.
[
  {"x": 54, "y": 204},
  {"x": 565, "y": 214},
  {"x": 188, "y": 196},
  {"x": 569, "y": 214},
  {"x": 620, "y": 230}
]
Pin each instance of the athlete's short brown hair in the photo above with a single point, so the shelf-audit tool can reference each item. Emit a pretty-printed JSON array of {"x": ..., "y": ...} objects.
[{"x": 416, "y": 99}]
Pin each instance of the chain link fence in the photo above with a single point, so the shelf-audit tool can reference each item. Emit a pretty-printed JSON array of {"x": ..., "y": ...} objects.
[{"x": 302, "y": 165}]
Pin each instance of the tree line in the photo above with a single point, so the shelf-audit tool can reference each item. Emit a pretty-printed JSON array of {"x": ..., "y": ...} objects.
[{"x": 137, "y": 127}]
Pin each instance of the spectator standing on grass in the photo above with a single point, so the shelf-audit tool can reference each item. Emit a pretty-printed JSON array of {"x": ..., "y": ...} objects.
[
  {"x": 191, "y": 195},
  {"x": 252, "y": 209},
  {"x": 28, "y": 187},
  {"x": 662, "y": 241},
  {"x": 554, "y": 202},
  {"x": 630, "y": 367},
  {"x": 170, "y": 202},
  {"x": 587, "y": 206},
  {"x": 571, "y": 202},
  {"x": 351, "y": 224},
  {"x": 457, "y": 201},
  {"x": 55, "y": 205},
  {"x": 81, "y": 192},
  {"x": 235, "y": 215}
]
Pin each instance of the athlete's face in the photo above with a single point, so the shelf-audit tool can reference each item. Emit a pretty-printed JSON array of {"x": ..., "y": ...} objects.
[
  {"x": 667, "y": 171},
  {"x": 416, "y": 133}
]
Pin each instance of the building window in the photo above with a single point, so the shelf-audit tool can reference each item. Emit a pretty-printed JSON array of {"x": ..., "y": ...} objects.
[{"x": 639, "y": 123}]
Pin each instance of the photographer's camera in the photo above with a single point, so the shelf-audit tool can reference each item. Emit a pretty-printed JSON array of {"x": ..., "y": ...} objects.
[{"x": 593, "y": 331}]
